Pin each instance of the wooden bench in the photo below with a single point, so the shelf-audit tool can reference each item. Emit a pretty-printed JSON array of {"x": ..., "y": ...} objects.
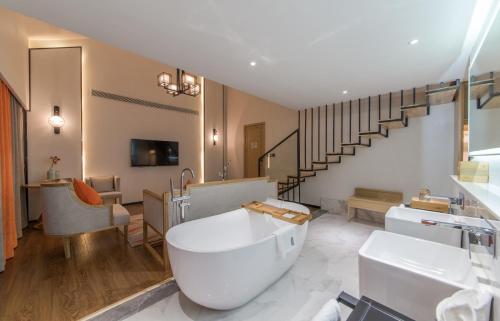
[{"x": 372, "y": 200}]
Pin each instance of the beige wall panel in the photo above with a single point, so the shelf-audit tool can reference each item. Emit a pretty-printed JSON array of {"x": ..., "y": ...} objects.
[
  {"x": 214, "y": 117},
  {"x": 55, "y": 80},
  {"x": 244, "y": 109},
  {"x": 14, "y": 55}
]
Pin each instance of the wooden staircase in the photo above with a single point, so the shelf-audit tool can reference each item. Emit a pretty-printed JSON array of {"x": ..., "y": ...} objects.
[{"x": 328, "y": 135}]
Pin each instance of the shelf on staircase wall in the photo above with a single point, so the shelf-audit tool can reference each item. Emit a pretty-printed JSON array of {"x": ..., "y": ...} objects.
[
  {"x": 443, "y": 94},
  {"x": 393, "y": 123},
  {"x": 417, "y": 110}
]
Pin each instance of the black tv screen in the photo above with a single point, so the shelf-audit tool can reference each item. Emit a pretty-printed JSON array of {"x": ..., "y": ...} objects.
[{"x": 154, "y": 153}]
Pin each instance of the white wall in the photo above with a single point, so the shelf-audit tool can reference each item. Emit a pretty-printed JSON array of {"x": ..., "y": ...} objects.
[
  {"x": 55, "y": 80},
  {"x": 420, "y": 155}
]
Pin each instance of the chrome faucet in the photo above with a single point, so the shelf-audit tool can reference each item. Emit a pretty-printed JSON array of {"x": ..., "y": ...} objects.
[
  {"x": 223, "y": 174},
  {"x": 460, "y": 200},
  {"x": 180, "y": 201},
  {"x": 483, "y": 236},
  {"x": 182, "y": 177}
]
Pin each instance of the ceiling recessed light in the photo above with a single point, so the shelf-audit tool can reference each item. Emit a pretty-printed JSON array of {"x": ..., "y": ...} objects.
[
  {"x": 253, "y": 63},
  {"x": 344, "y": 92},
  {"x": 413, "y": 42}
]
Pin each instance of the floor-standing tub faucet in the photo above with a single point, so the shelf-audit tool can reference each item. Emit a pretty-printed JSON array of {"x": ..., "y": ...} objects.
[
  {"x": 182, "y": 177},
  {"x": 181, "y": 201}
]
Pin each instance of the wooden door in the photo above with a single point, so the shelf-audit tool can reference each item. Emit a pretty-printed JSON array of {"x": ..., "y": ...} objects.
[{"x": 255, "y": 138}]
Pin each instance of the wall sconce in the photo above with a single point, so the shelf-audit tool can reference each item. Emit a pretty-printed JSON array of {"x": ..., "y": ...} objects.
[
  {"x": 215, "y": 136},
  {"x": 56, "y": 120}
]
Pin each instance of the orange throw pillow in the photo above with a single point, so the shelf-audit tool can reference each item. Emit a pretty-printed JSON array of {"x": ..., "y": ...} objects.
[{"x": 86, "y": 193}]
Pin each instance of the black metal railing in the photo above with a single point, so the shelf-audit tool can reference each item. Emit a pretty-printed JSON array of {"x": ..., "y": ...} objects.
[{"x": 282, "y": 162}]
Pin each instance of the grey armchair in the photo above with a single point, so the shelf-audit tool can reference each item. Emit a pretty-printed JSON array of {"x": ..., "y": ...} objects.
[
  {"x": 65, "y": 215},
  {"x": 108, "y": 187}
]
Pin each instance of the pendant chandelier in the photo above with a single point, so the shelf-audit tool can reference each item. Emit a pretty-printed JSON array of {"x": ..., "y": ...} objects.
[{"x": 185, "y": 83}]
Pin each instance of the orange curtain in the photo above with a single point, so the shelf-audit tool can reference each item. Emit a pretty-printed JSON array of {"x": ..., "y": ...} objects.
[{"x": 6, "y": 168}]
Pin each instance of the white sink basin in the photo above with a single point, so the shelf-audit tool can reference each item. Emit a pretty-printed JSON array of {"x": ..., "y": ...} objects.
[
  {"x": 412, "y": 275},
  {"x": 407, "y": 221}
]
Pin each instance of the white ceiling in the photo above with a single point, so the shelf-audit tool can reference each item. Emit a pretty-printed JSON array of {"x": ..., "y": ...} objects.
[{"x": 307, "y": 52}]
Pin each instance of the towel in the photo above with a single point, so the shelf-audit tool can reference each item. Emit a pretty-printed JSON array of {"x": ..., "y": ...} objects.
[
  {"x": 465, "y": 305},
  {"x": 329, "y": 312},
  {"x": 285, "y": 239}
]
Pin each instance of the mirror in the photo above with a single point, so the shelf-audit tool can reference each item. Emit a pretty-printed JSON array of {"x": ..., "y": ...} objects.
[{"x": 484, "y": 94}]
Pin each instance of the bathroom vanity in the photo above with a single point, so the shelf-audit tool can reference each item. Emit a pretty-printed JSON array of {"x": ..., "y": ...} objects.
[{"x": 412, "y": 275}]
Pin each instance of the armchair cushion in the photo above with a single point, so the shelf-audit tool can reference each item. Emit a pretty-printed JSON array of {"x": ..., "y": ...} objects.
[
  {"x": 86, "y": 193},
  {"x": 103, "y": 184}
]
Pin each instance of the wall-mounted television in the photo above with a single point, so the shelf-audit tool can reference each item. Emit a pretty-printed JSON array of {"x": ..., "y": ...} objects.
[{"x": 153, "y": 153}]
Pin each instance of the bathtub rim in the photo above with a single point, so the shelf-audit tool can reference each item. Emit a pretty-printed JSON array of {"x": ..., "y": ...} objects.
[{"x": 229, "y": 249}]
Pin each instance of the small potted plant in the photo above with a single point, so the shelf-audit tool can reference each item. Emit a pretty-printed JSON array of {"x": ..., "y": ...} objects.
[{"x": 52, "y": 173}]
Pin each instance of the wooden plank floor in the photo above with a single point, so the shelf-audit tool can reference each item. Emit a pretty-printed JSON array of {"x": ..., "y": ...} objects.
[{"x": 40, "y": 284}]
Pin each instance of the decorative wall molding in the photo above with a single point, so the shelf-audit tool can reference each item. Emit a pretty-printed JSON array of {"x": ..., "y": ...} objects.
[{"x": 137, "y": 101}]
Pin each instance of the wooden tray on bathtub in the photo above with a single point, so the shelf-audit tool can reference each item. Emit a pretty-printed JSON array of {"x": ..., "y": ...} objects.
[{"x": 279, "y": 213}]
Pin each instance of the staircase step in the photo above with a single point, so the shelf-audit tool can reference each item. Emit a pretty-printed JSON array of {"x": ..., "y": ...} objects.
[
  {"x": 326, "y": 162},
  {"x": 343, "y": 153},
  {"x": 337, "y": 161},
  {"x": 393, "y": 123},
  {"x": 285, "y": 189},
  {"x": 294, "y": 179},
  {"x": 479, "y": 88},
  {"x": 358, "y": 144},
  {"x": 417, "y": 110},
  {"x": 372, "y": 134},
  {"x": 324, "y": 168},
  {"x": 443, "y": 95},
  {"x": 311, "y": 174}
]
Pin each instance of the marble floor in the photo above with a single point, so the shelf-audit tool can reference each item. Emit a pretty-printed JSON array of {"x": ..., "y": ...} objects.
[{"x": 327, "y": 265}]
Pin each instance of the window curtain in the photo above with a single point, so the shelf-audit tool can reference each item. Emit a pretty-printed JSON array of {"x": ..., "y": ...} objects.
[
  {"x": 7, "y": 174},
  {"x": 2, "y": 257},
  {"x": 17, "y": 115}
]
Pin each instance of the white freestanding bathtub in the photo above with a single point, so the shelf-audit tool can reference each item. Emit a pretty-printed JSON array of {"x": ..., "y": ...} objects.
[{"x": 223, "y": 261}]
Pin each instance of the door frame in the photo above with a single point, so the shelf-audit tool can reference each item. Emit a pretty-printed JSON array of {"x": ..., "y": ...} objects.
[{"x": 263, "y": 124}]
